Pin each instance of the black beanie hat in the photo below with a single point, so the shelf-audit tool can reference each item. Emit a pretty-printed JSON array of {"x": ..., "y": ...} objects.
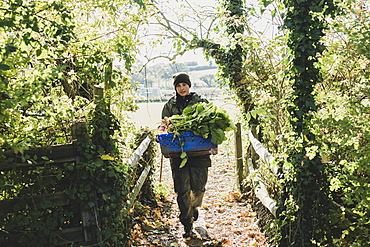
[{"x": 181, "y": 77}]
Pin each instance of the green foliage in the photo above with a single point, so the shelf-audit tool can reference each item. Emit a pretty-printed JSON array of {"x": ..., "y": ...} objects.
[
  {"x": 344, "y": 135},
  {"x": 94, "y": 184},
  {"x": 99, "y": 182},
  {"x": 104, "y": 125},
  {"x": 341, "y": 125},
  {"x": 203, "y": 119},
  {"x": 305, "y": 179},
  {"x": 24, "y": 47},
  {"x": 51, "y": 55},
  {"x": 45, "y": 56}
]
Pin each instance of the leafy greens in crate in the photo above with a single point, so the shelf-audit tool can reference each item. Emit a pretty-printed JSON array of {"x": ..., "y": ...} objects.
[{"x": 203, "y": 119}]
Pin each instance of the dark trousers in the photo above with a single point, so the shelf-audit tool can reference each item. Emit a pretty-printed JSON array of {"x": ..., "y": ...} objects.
[{"x": 190, "y": 182}]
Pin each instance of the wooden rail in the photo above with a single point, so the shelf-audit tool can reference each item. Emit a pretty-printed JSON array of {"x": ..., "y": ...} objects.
[
  {"x": 240, "y": 169},
  {"x": 259, "y": 187},
  {"x": 262, "y": 152},
  {"x": 57, "y": 154},
  {"x": 132, "y": 161},
  {"x": 249, "y": 171}
]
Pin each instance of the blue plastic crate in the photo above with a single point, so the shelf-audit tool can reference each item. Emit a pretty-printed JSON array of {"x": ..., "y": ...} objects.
[{"x": 192, "y": 143}]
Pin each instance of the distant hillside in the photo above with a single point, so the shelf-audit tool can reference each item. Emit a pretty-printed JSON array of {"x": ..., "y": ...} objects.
[
  {"x": 160, "y": 75},
  {"x": 204, "y": 67}
]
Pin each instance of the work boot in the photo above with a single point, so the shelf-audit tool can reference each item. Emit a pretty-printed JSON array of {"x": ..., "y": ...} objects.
[{"x": 188, "y": 231}]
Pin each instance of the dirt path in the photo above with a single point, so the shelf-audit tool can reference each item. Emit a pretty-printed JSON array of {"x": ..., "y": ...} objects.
[{"x": 224, "y": 220}]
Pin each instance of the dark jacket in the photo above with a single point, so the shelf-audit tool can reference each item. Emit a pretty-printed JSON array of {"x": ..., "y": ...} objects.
[{"x": 172, "y": 107}]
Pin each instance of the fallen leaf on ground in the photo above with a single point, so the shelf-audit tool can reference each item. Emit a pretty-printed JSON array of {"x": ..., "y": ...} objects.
[
  {"x": 225, "y": 241},
  {"x": 220, "y": 210}
]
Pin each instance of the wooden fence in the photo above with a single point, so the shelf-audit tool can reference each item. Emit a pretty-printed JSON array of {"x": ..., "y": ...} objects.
[
  {"x": 250, "y": 171},
  {"x": 89, "y": 233}
]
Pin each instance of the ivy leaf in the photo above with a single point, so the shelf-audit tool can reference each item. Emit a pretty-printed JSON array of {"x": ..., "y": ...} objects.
[
  {"x": 4, "y": 67},
  {"x": 105, "y": 197},
  {"x": 183, "y": 162},
  {"x": 183, "y": 155},
  {"x": 106, "y": 157},
  {"x": 6, "y": 23}
]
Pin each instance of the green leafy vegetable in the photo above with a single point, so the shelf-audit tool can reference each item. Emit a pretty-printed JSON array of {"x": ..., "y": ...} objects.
[{"x": 203, "y": 119}]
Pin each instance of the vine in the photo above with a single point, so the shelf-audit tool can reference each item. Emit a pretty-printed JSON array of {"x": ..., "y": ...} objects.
[
  {"x": 307, "y": 206},
  {"x": 104, "y": 125}
]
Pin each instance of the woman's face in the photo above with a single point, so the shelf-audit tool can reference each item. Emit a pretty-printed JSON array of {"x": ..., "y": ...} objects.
[{"x": 183, "y": 89}]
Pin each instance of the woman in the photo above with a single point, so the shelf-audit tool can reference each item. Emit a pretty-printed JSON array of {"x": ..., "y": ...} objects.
[{"x": 189, "y": 181}]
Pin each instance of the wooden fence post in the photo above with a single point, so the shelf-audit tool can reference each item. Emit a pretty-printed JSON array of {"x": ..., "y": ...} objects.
[
  {"x": 239, "y": 156},
  {"x": 108, "y": 74},
  {"x": 252, "y": 152},
  {"x": 98, "y": 93},
  {"x": 91, "y": 223},
  {"x": 79, "y": 132},
  {"x": 89, "y": 213}
]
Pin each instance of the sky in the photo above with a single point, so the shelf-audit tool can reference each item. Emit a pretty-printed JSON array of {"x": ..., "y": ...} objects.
[{"x": 261, "y": 24}]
